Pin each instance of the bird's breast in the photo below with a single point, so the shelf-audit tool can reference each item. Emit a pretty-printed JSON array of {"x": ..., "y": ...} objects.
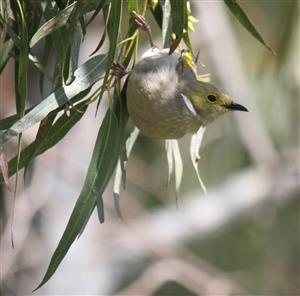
[{"x": 156, "y": 107}]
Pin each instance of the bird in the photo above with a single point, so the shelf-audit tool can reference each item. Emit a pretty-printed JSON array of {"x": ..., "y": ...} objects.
[{"x": 166, "y": 99}]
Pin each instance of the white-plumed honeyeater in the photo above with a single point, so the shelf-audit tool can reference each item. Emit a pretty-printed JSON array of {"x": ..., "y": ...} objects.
[{"x": 166, "y": 100}]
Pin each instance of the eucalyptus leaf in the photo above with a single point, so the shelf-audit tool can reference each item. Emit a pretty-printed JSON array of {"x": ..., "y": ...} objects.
[
  {"x": 178, "y": 13},
  {"x": 178, "y": 167},
  {"x": 42, "y": 136},
  {"x": 74, "y": 51},
  {"x": 103, "y": 163},
  {"x": 196, "y": 141},
  {"x": 58, "y": 130},
  {"x": 121, "y": 170},
  {"x": 53, "y": 24},
  {"x": 37, "y": 63},
  {"x": 132, "y": 6},
  {"x": 170, "y": 161},
  {"x": 158, "y": 14},
  {"x": 21, "y": 64},
  {"x": 85, "y": 76},
  {"x": 4, "y": 53},
  {"x": 113, "y": 30},
  {"x": 101, "y": 4},
  {"x": 174, "y": 164},
  {"x": 242, "y": 17}
]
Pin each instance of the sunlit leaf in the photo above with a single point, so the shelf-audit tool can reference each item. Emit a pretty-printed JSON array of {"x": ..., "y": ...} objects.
[
  {"x": 37, "y": 63},
  {"x": 196, "y": 141},
  {"x": 174, "y": 164},
  {"x": 178, "y": 167},
  {"x": 120, "y": 173},
  {"x": 169, "y": 153},
  {"x": 85, "y": 76},
  {"x": 7, "y": 122}
]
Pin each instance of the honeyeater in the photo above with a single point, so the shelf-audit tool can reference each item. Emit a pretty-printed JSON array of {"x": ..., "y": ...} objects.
[{"x": 166, "y": 99}]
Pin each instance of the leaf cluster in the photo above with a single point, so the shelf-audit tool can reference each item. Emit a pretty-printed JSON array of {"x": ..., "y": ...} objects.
[{"x": 59, "y": 27}]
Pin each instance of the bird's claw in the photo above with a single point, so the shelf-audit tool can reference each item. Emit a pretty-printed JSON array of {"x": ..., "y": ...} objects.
[{"x": 118, "y": 70}]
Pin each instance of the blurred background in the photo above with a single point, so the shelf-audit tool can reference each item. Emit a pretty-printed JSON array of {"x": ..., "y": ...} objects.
[{"x": 242, "y": 238}]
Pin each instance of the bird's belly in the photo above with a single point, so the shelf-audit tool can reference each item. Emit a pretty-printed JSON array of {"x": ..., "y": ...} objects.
[{"x": 157, "y": 117}]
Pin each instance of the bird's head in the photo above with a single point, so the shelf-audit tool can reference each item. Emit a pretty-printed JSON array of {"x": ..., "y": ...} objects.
[{"x": 209, "y": 102}]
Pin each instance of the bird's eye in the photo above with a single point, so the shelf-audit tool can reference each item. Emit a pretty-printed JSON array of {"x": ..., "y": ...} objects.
[{"x": 211, "y": 98}]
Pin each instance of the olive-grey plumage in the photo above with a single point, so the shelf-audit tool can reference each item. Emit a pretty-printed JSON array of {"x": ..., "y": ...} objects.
[{"x": 165, "y": 98}]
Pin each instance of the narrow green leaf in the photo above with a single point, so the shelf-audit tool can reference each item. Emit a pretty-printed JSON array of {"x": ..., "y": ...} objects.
[
  {"x": 4, "y": 53},
  {"x": 21, "y": 85},
  {"x": 70, "y": 13},
  {"x": 60, "y": 128},
  {"x": 113, "y": 31},
  {"x": 196, "y": 141},
  {"x": 132, "y": 6},
  {"x": 22, "y": 63},
  {"x": 41, "y": 137},
  {"x": 102, "y": 165},
  {"x": 158, "y": 14},
  {"x": 53, "y": 24},
  {"x": 103, "y": 37},
  {"x": 10, "y": 31},
  {"x": 125, "y": 61},
  {"x": 84, "y": 6},
  {"x": 101, "y": 4},
  {"x": 241, "y": 16},
  {"x": 85, "y": 76},
  {"x": 74, "y": 51},
  {"x": 178, "y": 13},
  {"x": 101, "y": 42},
  {"x": 33, "y": 15}
]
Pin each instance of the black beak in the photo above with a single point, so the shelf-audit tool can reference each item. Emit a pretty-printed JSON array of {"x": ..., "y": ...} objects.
[{"x": 236, "y": 107}]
